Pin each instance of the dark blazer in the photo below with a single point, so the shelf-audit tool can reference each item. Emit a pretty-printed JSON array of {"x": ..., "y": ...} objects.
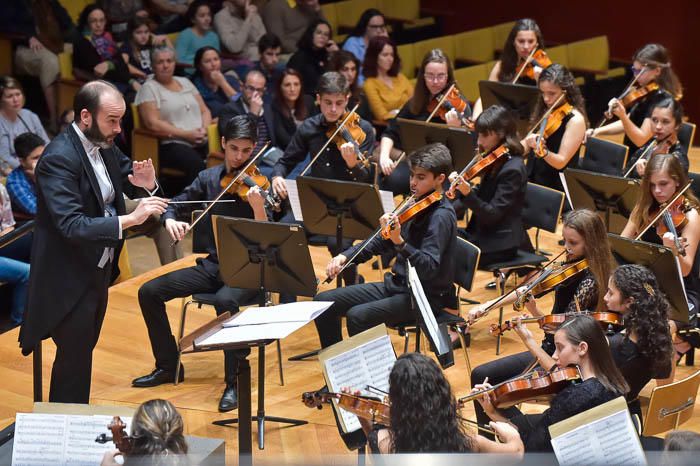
[
  {"x": 70, "y": 232},
  {"x": 496, "y": 205},
  {"x": 236, "y": 107}
]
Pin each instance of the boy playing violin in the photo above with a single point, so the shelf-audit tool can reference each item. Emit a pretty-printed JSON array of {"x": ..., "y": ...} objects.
[
  {"x": 426, "y": 240},
  {"x": 238, "y": 140}
]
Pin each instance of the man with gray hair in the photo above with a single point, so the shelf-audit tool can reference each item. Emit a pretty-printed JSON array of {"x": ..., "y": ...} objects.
[{"x": 79, "y": 234}]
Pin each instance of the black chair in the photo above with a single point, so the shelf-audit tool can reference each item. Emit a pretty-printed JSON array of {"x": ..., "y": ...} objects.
[
  {"x": 603, "y": 156},
  {"x": 686, "y": 134},
  {"x": 695, "y": 178},
  {"x": 542, "y": 210}
]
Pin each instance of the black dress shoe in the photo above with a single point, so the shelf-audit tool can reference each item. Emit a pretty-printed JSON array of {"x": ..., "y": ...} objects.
[
  {"x": 229, "y": 399},
  {"x": 158, "y": 377},
  {"x": 490, "y": 286}
]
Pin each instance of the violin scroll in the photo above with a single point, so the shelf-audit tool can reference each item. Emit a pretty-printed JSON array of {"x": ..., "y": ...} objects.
[{"x": 121, "y": 439}]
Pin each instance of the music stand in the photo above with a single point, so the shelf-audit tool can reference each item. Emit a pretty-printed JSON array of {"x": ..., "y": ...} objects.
[
  {"x": 518, "y": 98},
  {"x": 661, "y": 261},
  {"x": 460, "y": 142},
  {"x": 613, "y": 197},
  {"x": 269, "y": 257}
]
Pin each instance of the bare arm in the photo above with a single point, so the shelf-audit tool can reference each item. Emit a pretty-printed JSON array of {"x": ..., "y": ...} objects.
[
  {"x": 570, "y": 143},
  {"x": 151, "y": 119}
]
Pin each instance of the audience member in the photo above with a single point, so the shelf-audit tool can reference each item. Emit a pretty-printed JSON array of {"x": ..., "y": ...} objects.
[
  {"x": 681, "y": 448},
  {"x": 370, "y": 25},
  {"x": 172, "y": 107},
  {"x": 347, "y": 64},
  {"x": 136, "y": 50},
  {"x": 386, "y": 88},
  {"x": 14, "y": 120},
  {"x": 171, "y": 15},
  {"x": 12, "y": 271},
  {"x": 199, "y": 35},
  {"x": 217, "y": 89},
  {"x": 65, "y": 120},
  {"x": 289, "y": 107},
  {"x": 269, "y": 49},
  {"x": 120, "y": 13},
  {"x": 240, "y": 28},
  {"x": 312, "y": 53},
  {"x": 288, "y": 19},
  {"x": 21, "y": 182}
]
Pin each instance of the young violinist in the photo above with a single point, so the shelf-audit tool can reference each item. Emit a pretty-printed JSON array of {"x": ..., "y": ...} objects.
[
  {"x": 655, "y": 81},
  {"x": 496, "y": 223},
  {"x": 238, "y": 140},
  {"x": 426, "y": 240},
  {"x": 585, "y": 237},
  {"x": 579, "y": 341},
  {"x": 337, "y": 161},
  {"x": 666, "y": 119},
  {"x": 434, "y": 77},
  {"x": 555, "y": 150}
]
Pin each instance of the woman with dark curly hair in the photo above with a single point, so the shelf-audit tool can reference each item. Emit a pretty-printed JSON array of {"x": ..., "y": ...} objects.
[
  {"x": 643, "y": 352},
  {"x": 424, "y": 416}
]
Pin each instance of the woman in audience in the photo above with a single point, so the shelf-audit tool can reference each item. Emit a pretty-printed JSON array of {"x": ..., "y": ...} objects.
[
  {"x": 312, "y": 53},
  {"x": 12, "y": 270},
  {"x": 217, "y": 89},
  {"x": 386, "y": 88},
  {"x": 14, "y": 120},
  {"x": 173, "y": 108},
  {"x": 199, "y": 35},
  {"x": 348, "y": 65},
  {"x": 95, "y": 53},
  {"x": 136, "y": 50},
  {"x": 370, "y": 25},
  {"x": 289, "y": 106}
]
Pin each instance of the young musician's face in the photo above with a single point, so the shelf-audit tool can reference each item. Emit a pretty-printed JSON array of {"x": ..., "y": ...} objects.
[
  {"x": 236, "y": 152},
  {"x": 332, "y": 106},
  {"x": 423, "y": 182},
  {"x": 566, "y": 353},
  {"x": 663, "y": 124},
  {"x": 550, "y": 92},
  {"x": 574, "y": 243},
  {"x": 614, "y": 300},
  {"x": 524, "y": 42},
  {"x": 488, "y": 141},
  {"x": 662, "y": 186},
  {"x": 435, "y": 75},
  {"x": 649, "y": 74}
]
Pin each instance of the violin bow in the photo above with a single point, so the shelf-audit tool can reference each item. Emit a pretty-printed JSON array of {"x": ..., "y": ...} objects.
[
  {"x": 460, "y": 177},
  {"x": 527, "y": 60},
  {"x": 624, "y": 93},
  {"x": 663, "y": 210},
  {"x": 651, "y": 146},
  {"x": 546, "y": 114},
  {"x": 440, "y": 101},
  {"x": 480, "y": 427},
  {"x": 335, "y": 133},
  {"x": 223, "y": 191}
]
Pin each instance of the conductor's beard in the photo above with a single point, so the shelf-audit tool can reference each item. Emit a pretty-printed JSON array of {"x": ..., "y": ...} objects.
[{"x": 95, "y": 136}]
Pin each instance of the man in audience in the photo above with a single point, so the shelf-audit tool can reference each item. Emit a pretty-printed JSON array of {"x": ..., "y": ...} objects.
[
  {"x": 172, "y": 15},
  {"x": 13, "y": 271},
  {"x": 288, "y": 19},
  {"x": 21, "y": 183},
  {"x": 269, "y": 50},
  {"x": 240, "y": 28}
]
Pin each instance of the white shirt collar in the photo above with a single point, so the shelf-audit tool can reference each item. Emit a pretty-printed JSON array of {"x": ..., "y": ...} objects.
[{"x": 90, "y": 148}]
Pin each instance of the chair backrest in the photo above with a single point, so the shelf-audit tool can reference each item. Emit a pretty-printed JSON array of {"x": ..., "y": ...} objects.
[
  {"x": 543, "y": 207},
  {"x": 125, "y": 272},
  {"x": 671, "y": 405},
  {"x": 695, "y": 178},
  {"x": 444, "y": 43},
  {"x": 500, "y": 34},
  {"x": 349, "y": 11},
  {"x": 590, "y": 54},
  {"x": 65, "y": 65},
  {"x": 468, "y": 80},
  {"x": 408, "y": 60},
  {"x": 603, "y": 156},
  {"x": 467, "y": 257},
  {"x": 559, "y": 54},
  {"x": 400, "y": 9},
  {"x": 686, "y": 134},
  {"x": 136, "y": 116},
  {"x": 474, "y": 45},
  {"x": 330, "y": 12}
]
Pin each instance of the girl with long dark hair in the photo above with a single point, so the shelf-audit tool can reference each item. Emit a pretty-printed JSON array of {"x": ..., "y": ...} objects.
[
  {"x": 387, "y": 89},
  {"x": 312, "y": 53},
  {"x": 217, "y": 89},
  {"x": 370, "y": 25},
  {"x": 290, "y": 107}
]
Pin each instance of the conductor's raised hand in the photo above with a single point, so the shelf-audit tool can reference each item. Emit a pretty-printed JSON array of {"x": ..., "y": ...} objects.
[
  {"x": 279, "y": 186},
  {"x": 177, "y": 230},
  {"x": 334, "y": 266},
  {"x": 144, "y": 174}
]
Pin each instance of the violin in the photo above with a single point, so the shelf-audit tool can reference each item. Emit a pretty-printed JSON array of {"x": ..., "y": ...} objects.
[
  {"x": 451, "y": 99},
  {"x": 549, "y": 279},
  {"x": 363, "y": 407},
  {"x": 476, "y": 167},
  {"x": 673, "y": 220},
  {"x": 537, "y": 59},
  {"x": 550, "y": 124},
  {"x": 550, "y": 323},
  {"x": 248, "y": 179},
  {"x": 411, "y": 211},
  {"x": 121, "y": 439},
  {"x": 536, "y": 385},
  {"x": 636, "y": 93},
  {"x": 347, "y": 129}
]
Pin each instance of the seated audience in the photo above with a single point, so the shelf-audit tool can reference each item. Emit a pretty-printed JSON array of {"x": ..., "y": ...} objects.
[
  {"x": 119, "y": 15},
  {"x": 172, "y": 107},
  {"x": 288, "y": 20},
  {"x": 348, "y": 65},
  {"x": 65, "y": 119},
  {"x": 171, "y": 15},
  {"x": 21, "y": 183},
  {"x": 199, "y": 35},
  {"x": 312, "y": 53},
  {"x": 269, "y": 49},
  {"x": 370, "y": 25},
  {"x": 217, "y": 89},
  {"x": 240, "y": 27},
  {"x": 386, "y": 88},
  {"x": 12, "y": 271},
  {"x": 289, "y": 107},
  {"x": 14, "y": 120},
  {"x": 136, "y": 50}
]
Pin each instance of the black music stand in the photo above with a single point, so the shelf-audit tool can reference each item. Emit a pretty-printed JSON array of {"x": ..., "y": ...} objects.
[
  {"x": 613, "y": 197},
  {"x": 518, "y": 98},
  {"x": 661, "y": 261},
  {"x": 460, "y": 142},
  {"x": 269, "y": 257}
]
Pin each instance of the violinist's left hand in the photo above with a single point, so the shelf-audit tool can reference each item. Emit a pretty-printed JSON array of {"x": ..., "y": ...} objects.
[
  {"x": 452, "y": 118},
  {"x": 144, "y": 175},
  {"x": 617, "y": 108},
  {"x": 108, "y": 459},
  {"x": 485, "y": 399},
  {"x": 521, "y": 329},
  {"x": 640, "y": 167},
  {"x": 395, "y": 231},
  {"x": 463, "y": 187},
  {"x": 256, "y": 199},
  {"x": 347, "y": 151},
  {"x": 531, "y": 141},
  {"x": 668, "y": 241}
]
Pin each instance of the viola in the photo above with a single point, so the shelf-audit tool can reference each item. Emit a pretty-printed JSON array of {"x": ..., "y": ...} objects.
[
  {"x": 250, "y": 178},
  {"x": 477, "y": 166},
  {"x": 451, "y": 99},
  {"x": 637, "y": 93},
  {"x": 347, "y": 129},
  {"x": 411, "y": 211},
  {"x": 537, "y": 59},
  {"x": 121, "y": 439},
  {"x": 550, "y": 323},
  {"x": 549, "y": 279},
  {"x": 366, "y": 408},
  {"x": 535, "y": 385},
  {"x": 550, "y": 125}
]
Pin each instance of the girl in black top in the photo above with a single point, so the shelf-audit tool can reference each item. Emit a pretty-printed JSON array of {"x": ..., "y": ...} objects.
[
  {"x": 348, "y": 65},
  {"x": 290, "y": 107},
  {"x": 643, "y": 352},
  {"x": 652, "y": 63},
  {"x": 312, "y": 53},
  {"x": 579, "y": 341},
  {"x": 561, "y": 147},
  {"x": 495, "y": 225}
]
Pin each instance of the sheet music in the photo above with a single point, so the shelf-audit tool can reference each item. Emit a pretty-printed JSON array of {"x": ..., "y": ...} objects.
[
  {"x": 609, "y": 440},
  {"x": 425, "y": 309},
  {"x": 566, "y": 188},
  {"x": 368, "y": 364},
  {"x": 60, "y": 439},
  {"x": 387, "y": 198},
  {"x": 302, "y": 311},
  {"x": 293, "y": 195}
]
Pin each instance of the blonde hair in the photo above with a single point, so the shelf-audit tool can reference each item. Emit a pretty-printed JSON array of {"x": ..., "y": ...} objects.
[{"x": 157, "y": 433}]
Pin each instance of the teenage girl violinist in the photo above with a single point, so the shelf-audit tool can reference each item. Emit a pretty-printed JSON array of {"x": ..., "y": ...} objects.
[
  {"x": 655, "y": 81},
  {"x": 496, "y": 223},
  {"x": 585, "y": 237},
  {"x": 579, "y": 341},
  {"x": 524, "y": 39},
  {"x": 666, "y": 119},
  {"x": 434, "y": 78},
  {"x": 554, "y": 146},
  {"x": 663, "y": 178}
]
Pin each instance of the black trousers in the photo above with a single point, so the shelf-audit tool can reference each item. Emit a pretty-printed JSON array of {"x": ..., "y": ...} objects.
[
  {"x": 180, "y": 283},
  {"x": 75, "y": 338},
  {"x": 365, "y": 306},
  {"x": 187, "y": 159}
]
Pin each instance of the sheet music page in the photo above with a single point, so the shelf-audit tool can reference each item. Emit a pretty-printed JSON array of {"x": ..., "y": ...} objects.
[
  {"x": 609, "y": 440},
  {"x": 387, "y": 198},
  {"x": 425, "y": 309},
  {"x": 368, "y": 364},
  {"x": 293, "y": 194},
  {"x": 566, "y": 189},
  {"x": 60, "y": 439},
  {"x": 301, "y": 311},
  {"x": 271, "y": 331}
]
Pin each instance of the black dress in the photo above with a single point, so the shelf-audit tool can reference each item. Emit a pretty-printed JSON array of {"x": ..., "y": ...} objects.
[{"x": 540, "y": 172}]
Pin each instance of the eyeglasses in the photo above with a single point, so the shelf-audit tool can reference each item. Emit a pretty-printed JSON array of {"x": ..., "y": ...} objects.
[
  {"x": 259, "y": 90},
  {"x": 435, "y": 77},
  {"x": 376, "y": 26},
  {"x": 637, "y": 71},
  {"x": 97, "y": 20}
]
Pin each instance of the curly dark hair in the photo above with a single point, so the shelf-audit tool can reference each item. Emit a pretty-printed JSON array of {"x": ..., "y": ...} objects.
[
  {"x": 423, "y": 409},
  {"x": 560, "y": 76},
  {"x": 647, "y": 316},
  {"x": 509, "y": 57}
]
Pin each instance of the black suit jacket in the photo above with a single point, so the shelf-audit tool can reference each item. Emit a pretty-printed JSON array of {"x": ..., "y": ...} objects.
[
  {"x": 70, "y": 232},
  {"x": 236, "y": 107}
]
